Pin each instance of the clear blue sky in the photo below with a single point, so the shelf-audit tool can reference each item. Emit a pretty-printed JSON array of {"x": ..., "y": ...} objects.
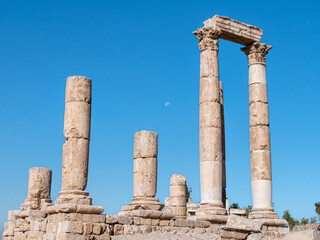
[{"x": 141, "y": 54}]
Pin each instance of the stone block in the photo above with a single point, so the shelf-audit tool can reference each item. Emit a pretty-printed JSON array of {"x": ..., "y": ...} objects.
[
  {"x": 259, "y": 138},
  {"x": 128, "y": 230},
  {"x": 94, "y": 218},
  {"x": 209, "y": 64},
  {"x": 260, "y": 165},
  {"x": 210, "y": 144},
  {"x": 110, "y": 219},
  {"x": 145, "y": 229},
  {"x": 258, "y": 93},
  {"x": 235, "y": 221},
  {"x": 75, "y": 164},
  {"x": 77, "y": 118},
  {"x": 259, "y": 114},
  {"x": 209, "y": 89},
  {"x": 125, "y": 220},
  {"x": 87, "y": 228},
  {"x": 144, "y": 177},
  {"x": 164, "y": 222},
  {"x": 155, "y": 222},
  {"x": 78, "y": 89},
  {"x": 201, "y": 224},
  {"x": 118, "y": 229},
  {"x": 145, "y": 144},
  {"x": 225, "y": 234},
  {"x": 97, "y": 229},
  {"x": 184, "y": 223},
  {"x": 210, "y": 114}
]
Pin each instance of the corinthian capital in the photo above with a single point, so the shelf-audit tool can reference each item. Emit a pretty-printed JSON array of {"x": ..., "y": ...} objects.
[
  {"x": 208, "y": 38},
  {"x": 256, "y": 52}
]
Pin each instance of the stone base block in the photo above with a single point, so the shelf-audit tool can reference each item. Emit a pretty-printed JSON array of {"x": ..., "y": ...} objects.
[
  {"x": 74, "y": 196},
  {"x": 210, "y": 209},
  {"x": 143, "y": 203},
  {"x": 263, "y": 214},
  {"x": 74, "y": 208},
  {"x": 35, "y": 204},
  {"x": 152, "y": 214}
]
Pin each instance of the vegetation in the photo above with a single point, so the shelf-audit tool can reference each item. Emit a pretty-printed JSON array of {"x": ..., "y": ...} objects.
[
  {"x": 291, "y": 221},
  {"x": 235, "y": 205},
  {"x": 248, "y": 210},
  {"x": 304, "y": 221},
  {"x": 313, "y": 220},
  {"x": 188, "y": 192}
]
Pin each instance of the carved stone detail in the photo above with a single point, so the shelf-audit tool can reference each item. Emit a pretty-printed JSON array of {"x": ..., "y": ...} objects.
[
  {"x": 208, "y": 38},
  {"x": 256, "y": 52}
]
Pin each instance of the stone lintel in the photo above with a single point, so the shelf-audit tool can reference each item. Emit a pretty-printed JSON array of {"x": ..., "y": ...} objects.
[{"x": 234, "y": 31}]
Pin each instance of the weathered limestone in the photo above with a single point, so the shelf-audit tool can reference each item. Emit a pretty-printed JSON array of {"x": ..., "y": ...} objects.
[
  {"x": 72, "y": 197},
  {"x": 39, "y": 189},
  {"x": 177, "y": 202},
  {"x": 260, "y": 154},
  {"x": 211, "y": 152},
  {"x": 235, "y": 31},
  {"x": 145, "y": 172}
]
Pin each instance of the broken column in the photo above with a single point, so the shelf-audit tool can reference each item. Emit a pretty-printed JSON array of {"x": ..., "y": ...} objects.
[
  {"x": 76, "y": 148},
  {"x": 211, "y": 152},
  {"x": 39, "y": 189},
  {"x": 177, "y": 202},
  {"x": 144, "y": 172},
  {"x": 260, "y": 152}
]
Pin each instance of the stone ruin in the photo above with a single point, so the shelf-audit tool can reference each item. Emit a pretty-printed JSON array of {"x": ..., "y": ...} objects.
[{"x": 73, "y": 216}]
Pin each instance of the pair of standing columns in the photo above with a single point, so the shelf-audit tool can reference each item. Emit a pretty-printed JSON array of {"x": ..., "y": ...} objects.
[{"x": 212, "y": 148}]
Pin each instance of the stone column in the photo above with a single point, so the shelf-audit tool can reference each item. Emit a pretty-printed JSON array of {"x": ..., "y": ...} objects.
[
  {"x": 260, "y": 155},
  {"x": 210, "y": 123},
  {"x": 39, "y": 189},
  {"x": 223, "y": 142},
  {"x": 177, "y": 202},
  {"x": 76, "y": 148},
  {"x": 145, "y": 172}
]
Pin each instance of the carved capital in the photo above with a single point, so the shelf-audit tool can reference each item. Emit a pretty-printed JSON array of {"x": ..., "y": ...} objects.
[
  {"x": 208, "y": 38},
  {"x": 256, "y": 52}
]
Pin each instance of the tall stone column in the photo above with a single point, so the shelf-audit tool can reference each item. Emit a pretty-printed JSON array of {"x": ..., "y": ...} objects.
[
  {"x": 210, "y": 124},
  {"x": 145, "y": 166},
  {"x": 39, "y": 189},
  {"x": 260, "y": 152},
  {"x": 75, "y": 159}
]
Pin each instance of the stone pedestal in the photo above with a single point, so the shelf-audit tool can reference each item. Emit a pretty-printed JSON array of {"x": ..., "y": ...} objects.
[
  {"x": 211, "y": 152},
  {"x": 145, "y": 172},
  {"x": 260, "y": 152},
  {"x": 39, "y": 189},
  {"x": 177, "y": 202},
  {"x": 76, "y": 148}
]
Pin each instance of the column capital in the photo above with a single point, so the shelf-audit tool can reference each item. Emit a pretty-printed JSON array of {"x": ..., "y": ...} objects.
[
  {"x": 208, "y": 38},
  {"x": 256, "y": 52}
]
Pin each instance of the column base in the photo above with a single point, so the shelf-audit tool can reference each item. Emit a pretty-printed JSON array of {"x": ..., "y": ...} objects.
[
  {"x": 259, "y": 213},
  {"x": 35, "y": 204},
  {"x": 74, "y": 201},
  {"x": 145, "y": 203},
  {"x": 74, "y": 196},
  {"x": 211, "y": 209}
]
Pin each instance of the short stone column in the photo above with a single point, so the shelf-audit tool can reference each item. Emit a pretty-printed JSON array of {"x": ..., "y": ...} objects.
[
  {"x": 210, "y": 134},
  {"x": 75, "y": 157},
  {"x": 145, "y": 172},
  {"x": 177, "y": 202},
  {"x": 260, "y": 152},
  {"x": 39, "y": 189}
]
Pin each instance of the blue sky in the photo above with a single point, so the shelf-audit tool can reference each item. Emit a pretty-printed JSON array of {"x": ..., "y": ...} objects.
[{"x": 140, "y": 55}]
